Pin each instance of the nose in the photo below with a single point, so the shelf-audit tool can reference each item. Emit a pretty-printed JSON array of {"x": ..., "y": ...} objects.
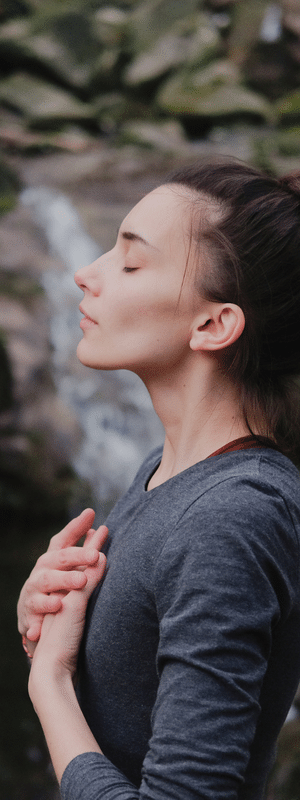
[{"x": 88, "y": 278}]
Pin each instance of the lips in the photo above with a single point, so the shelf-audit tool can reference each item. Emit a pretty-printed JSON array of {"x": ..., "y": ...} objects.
[{"x": 87, "y": 321}]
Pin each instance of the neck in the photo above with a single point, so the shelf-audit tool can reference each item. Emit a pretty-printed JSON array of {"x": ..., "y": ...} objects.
[{"x": 200, "y": 413}]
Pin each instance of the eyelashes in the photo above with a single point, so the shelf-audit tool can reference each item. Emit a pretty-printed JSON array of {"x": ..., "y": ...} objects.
[{"x": 130, "y": 269}]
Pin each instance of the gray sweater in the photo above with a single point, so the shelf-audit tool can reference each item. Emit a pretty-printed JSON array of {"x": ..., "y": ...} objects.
[{"x": 191, "y": 653}]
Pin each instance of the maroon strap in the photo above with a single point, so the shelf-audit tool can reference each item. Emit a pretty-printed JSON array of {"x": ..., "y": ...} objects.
[{"x": 244, "y": 443}]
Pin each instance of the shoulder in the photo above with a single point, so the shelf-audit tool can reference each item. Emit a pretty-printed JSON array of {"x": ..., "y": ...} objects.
[
  {"x": 249, "y": 482},
  {"x": 243, "y": 521}
]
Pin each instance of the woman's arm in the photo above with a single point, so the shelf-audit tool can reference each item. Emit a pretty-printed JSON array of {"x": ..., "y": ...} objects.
[{"x": 58, "y": 571}]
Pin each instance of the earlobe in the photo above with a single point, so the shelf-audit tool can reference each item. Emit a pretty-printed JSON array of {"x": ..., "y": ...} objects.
[{"x": 219, "y": 328}]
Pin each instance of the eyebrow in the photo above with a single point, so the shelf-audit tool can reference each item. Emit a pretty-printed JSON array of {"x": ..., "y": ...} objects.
[{"x": 134, "y": 237}]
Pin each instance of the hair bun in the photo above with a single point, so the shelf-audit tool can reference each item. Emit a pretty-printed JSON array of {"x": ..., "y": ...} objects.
[{"x": 291, "y": 183}]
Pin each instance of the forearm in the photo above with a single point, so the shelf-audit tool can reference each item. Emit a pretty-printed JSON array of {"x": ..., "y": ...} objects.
[{"x": 66, "y": 731}]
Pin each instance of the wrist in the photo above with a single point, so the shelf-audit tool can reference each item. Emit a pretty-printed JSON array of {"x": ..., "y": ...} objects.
[{"x": 48, "y": 681}]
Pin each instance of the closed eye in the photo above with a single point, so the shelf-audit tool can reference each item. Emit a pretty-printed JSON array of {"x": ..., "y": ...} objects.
[{"x": 130, "y": 269}]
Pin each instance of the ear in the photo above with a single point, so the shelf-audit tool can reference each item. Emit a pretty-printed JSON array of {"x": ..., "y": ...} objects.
[{"x": 219, "y": 326}]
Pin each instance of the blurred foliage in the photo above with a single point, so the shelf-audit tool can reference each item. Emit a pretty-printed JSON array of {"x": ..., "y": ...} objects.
[{"x": 66, "y": 62}]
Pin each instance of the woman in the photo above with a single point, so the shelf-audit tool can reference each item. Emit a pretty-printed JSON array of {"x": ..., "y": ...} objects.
[{"x": 191, "y": 651}]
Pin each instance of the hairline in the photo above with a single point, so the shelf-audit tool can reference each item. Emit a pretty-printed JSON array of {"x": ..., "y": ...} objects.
[{"x": 209, "y": 218}]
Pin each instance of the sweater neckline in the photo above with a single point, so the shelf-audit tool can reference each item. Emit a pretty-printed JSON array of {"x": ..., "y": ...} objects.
[{"x": 242, "y": 443}]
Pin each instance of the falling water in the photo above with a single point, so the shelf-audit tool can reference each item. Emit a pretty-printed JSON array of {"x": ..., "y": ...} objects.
[{"x": 114, "y": 409}]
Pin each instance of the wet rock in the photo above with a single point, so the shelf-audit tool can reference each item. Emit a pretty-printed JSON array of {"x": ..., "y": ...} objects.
[
  {"x": 165, "y": 136},
  {"x": 192, "y": 41},
  {"x": 105, "y": 73},
  {"x": 27, "y": 345},
  {"x": 247, "y": 23},
  {"x": 235, "y": 140},
  {"x": 44, "y": 52},
  {"x": 113, "y": 108},
  {"x": 170, "y": 51},
  {"x": 21, "y": 260},
  {"x": 49, "y": 414},
  {"x": 53, "y": 57},
  {"x": 152, "y": 18},
  {"x": 291, "y": 16},
  {"x": 212, "y": 92},
  {"x": 204, "y": 42},
  {"x": 72, "y": 27},
  {"x": 111, "y": 26},
  {"x": 66, "y": 170},
  {"x": 14, "y": 135},
  {"x": 291, "y": 28},
  {"x": 12, "y": 42},
  {"x": 220, "y": 4},
  {"x": 43, "y": 105}
]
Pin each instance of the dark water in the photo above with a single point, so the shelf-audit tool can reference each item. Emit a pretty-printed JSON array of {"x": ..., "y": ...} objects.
[{"x": 25, "y": 773}]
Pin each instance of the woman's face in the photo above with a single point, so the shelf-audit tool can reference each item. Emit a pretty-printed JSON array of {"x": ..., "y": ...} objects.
[{"x": 137, "y": 314}]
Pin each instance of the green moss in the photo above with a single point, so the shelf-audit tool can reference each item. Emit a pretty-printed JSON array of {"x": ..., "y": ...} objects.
[
  {"x": 262, "y": 156},
  {"x": 289, "y": 142},
  {"x": 7, "y": 203},
  {"x": 288, "y": 108},
  {"x": 9, "y": 187}
]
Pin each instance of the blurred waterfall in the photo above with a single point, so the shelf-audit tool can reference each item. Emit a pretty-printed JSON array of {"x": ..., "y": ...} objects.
[{"x": 114, "y": 409}]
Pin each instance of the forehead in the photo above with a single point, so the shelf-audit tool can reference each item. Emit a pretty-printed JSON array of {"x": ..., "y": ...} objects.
[{"x": 164, "y": 212}]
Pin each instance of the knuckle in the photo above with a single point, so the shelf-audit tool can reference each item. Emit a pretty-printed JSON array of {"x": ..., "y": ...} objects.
[
  {"x": 32, "y": 608},
  {"x": 44, "y": 581},
  {"x": 40, "y": 562},
  {"x": 53, "y": 544},
  {"x": 63, "y": 559}
]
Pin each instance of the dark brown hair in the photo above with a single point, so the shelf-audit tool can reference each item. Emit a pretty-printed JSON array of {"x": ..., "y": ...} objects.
[{"x": 255, "y": 247}]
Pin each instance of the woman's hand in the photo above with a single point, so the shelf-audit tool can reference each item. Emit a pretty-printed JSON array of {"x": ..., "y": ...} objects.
[
  {"x": 60, "y": 570},
  {"x": 56, "y": 652}
]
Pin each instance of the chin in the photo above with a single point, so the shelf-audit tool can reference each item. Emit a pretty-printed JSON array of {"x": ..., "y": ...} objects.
[
  {"x": 94, "y": 360},
  {"x": 86, "y": 357}
]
